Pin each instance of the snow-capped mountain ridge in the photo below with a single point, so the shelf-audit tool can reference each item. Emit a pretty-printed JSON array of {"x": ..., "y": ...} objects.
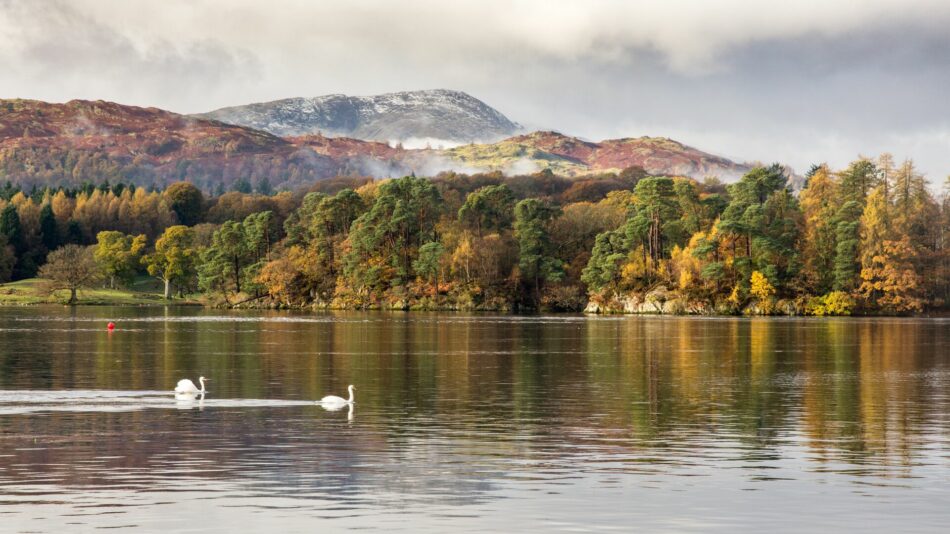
[{"x": 439, "y": 114}]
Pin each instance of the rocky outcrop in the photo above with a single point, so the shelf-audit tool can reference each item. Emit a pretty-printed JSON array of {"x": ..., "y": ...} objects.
[{"x": 657, "y": 301}]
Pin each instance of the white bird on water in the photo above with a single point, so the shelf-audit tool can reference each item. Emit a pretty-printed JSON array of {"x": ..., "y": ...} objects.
[
  {"x": 333, "y": 400},
  {"x": 187, "y": 386}
]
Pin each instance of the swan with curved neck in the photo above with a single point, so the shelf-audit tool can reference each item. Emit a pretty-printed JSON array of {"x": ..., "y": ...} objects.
[
  {"x": 187, "y": 386},
  {"x": 333, "y": 399}
]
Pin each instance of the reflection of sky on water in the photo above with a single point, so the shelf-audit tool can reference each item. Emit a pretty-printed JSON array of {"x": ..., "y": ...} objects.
[
  {"x": 29, "y": 401},
  {"x": 471, "y": 422}
]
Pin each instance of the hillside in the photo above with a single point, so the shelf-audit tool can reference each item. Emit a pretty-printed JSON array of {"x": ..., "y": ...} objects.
[
  {"x": 61, "y": 144},
  {"x": 58, "y": 144},
  {"x": 414, "y": 117},
  {"x": 572, "y": 156}
]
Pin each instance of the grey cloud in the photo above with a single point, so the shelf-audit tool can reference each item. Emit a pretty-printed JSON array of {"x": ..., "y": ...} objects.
[
  {"x": 798, "y": 82},
  {"x": 55, "y": 51}
]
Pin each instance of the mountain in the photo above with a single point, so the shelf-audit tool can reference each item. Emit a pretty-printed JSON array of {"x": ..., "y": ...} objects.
[
  {"x": 61, "y": 144},
  {"x": 66, "y": 144},
  {"x": 117, "y": 130},
  {"x": 436, "y": 116},
  {"x": 571, "y": 156}
]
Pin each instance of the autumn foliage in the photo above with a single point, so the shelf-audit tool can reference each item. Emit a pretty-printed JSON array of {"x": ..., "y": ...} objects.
[{"x": 870, "y": 238}]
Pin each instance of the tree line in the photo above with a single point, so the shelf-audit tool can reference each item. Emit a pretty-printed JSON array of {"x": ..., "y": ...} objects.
[{"x": 870, "y": 238}]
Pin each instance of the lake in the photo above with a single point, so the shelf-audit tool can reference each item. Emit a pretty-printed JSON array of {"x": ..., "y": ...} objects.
[{"x": 471, "y": 422}]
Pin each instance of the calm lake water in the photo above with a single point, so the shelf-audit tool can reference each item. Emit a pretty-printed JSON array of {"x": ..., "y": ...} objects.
[{"x": 471, "y": 423}]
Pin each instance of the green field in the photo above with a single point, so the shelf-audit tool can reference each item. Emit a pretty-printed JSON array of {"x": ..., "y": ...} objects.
[{"x": 144, "y": 291}]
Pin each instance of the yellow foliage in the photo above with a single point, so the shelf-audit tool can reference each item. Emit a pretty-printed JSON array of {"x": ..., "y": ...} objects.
[
  {"x": 760, "y": 288},
  {"x": 462, "y": 257},
  {"x": 889, "y": 280},
  {"x": 734, "y": 298},
  {"x": 634, "y": 270},
  {"x": 686, "y": 280},
  {"x": 685, "y": 266},
  {"x": 278, "y": 278},
  {"x": 834, "y": 303}
]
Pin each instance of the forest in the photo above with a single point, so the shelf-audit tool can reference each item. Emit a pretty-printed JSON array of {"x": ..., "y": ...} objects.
[{"x": 870, "y": 238}]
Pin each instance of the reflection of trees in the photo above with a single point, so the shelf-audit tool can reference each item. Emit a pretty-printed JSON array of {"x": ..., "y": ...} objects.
[
  {"x": 505, "y": 393},
  {"x": 850, "y": 386}
]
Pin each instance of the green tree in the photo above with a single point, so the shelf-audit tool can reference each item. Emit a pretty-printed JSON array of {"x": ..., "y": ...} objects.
[
  {"x": 696, "y": 214},
  {"x": 223, "y": 263},
  {"x": 385, "y": 240},
  {"x": 858, "y": 179},
  {"x": 118, "y": 255},
  {"x": 609, "y": 253},
  {"x": 428, "y": 263},
  {"x": 49, "y": 228},
  {"x": 656, "y": 218},
  {"x": 73, "y": 232},
  {"x": 264, "y": 187},
  {"x": 535, "y": 259},
  {"x": 173, "y": 260},
  {"x": 847, "y": 264},
  {"x": 186, "y": 201},
  {"x": 764, "y": 219},
  {"x": 488, "y": 209},
  {"x": 10, "y": 227},
  {"x": 260, "y": 231},
  {"x": 242, "y": 185}
]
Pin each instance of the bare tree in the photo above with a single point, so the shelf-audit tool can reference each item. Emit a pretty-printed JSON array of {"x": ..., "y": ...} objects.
[{"x": 70, "y": 267}]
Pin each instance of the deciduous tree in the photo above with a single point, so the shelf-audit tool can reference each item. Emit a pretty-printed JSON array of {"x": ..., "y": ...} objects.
[
  {"x": 118, "y": 255},
  {"x": 70, "y": 267},
  {"x": 173, "y": 261}
]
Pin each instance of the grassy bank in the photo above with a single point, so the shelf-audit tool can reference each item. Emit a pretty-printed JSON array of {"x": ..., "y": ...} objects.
[{"x": 143, "y": 292}]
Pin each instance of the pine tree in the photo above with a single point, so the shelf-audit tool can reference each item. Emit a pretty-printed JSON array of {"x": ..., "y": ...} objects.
[
  {"x": 655, "y": 222},
  {"x": 857, "y": 181},
  {"x": 763, "y": 218},
  {"x": 847, "y": 264},
  {"x": 10, "y": 227},
  {"x": 49, "y": 228},
  {"x": 535, "y": 258}
]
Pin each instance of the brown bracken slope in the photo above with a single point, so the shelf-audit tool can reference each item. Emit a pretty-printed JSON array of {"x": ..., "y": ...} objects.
[{"x": 61, "y": 144}]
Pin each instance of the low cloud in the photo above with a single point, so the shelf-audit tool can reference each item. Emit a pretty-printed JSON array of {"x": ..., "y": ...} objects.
[{"x": 413, "y": 143}]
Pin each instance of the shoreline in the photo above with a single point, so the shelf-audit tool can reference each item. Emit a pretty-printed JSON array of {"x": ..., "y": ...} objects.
[
  {"x": 26, "y": 293},
  {"x": 161, "y": 303},
  {"x": 29, "y": 292}
]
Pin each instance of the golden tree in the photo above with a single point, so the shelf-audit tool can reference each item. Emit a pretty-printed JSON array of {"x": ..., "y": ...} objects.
[{"x": 889, "y": 282}]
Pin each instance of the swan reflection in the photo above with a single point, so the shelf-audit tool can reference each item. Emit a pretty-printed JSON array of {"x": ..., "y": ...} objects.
[
  {"x": 187, "y": 401},
  {"x": 338, "y": 407}
]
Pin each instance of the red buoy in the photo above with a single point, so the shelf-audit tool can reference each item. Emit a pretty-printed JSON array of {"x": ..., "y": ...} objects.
[{"x": 111, "y": 326}]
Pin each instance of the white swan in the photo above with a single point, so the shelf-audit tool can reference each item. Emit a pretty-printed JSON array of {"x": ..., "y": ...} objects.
[
  {"x": 187, "y": 386},
  {"x": 332, "y": 400}
]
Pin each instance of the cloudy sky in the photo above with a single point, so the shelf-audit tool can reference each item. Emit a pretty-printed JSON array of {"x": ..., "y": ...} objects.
[{"x": 797, "y": 82}]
